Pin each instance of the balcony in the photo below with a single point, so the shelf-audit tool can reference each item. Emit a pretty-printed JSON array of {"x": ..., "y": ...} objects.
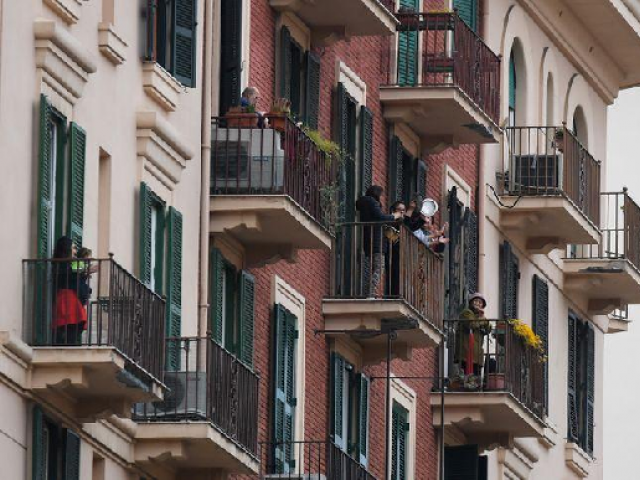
[
  {"x": 116, "y": 360},
  {"x": 385, "y": 280},
  {"x": 269, "y": 190},
  {"x": 331, "y": 20},
  {"x": 549, "y": 190},
  {"x": 607, "y": 276},
  {"x": 502, "y": 395},
  {"x": 447, "y": 90},
  {"x": 209, "y": 416},
  {"x": 310, "y": 460}
]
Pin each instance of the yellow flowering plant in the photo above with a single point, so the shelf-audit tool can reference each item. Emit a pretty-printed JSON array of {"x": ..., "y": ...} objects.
[{"x": 528, "y": 336}]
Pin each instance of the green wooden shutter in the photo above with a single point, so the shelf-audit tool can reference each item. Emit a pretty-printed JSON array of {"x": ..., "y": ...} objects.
[
  {"x": 216, "y": 289},
  {"x": 72, "y": 456},
  {"x": 399, "y": 442},
  {"x": 541, "y": 326},
  {"x": 285, "y": 63},
  {"x": 184, "y": 47},
  {"x": 572, "y": 380},
  {"x": 471, "y": 253},
  {"x": 468, "y": 12},
  {"x": 146, "y": 242},
  {"x": 409, "y": 175},
  {"x": 285, "y": 401},
  {"x": 512, "y": 82},
  {"x": 312, "y": 102},
  {"x": 461, "y": 462},
  {"x": 363, "y": 420},
  {"x": 231, "y": 314},
  {"x": 408, "y": 49},
  {"x": 396, "y": 154},
  {"x": 338, "y": 397},
  {"x": 366, "y": 149},
  {"x": 38, "y": 446},
  {"x": 45, "y": 193},
  {"x": 230, "y": 53},
  {"x": 591, "y": 392},
  {"x": 78, "y": 147},
  {"x": 509, "y": 279},
  {"x": 421, "y": 178},
  {"x": 246, "y": 313},
  {"x": 174, "y": 287},
  {"x": 296, "y": 79},
  {"x": 345, "y": 136}
]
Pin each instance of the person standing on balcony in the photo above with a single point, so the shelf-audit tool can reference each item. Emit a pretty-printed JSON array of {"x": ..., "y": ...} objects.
[
  {"x": 249, "y": 104},
  {"x": 472, "y": 330},
  {"x": 69, "y": 315},
  {"x": 392, "y": 261},
  {"x": 374, "y": 252}
]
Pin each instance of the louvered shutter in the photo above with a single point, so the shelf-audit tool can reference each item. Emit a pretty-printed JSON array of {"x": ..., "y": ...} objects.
[
  {"x": 541, "y": 326},
  {"x": 408, "y": 49},
  {"x": 572, "y": 380},
  {"x": 230, "y": 53},
  {"x": 231, "y": 331},
  {"x": 146, "y": 240},
  {"x": 312, "y": 102},
  {"x": 285, "y": 401},
  {"x": 468, "y": 12},
  {"x": 296, "y": 79},
  {"x": 512, "y": 82},
  {"x": 366, "y": 149},
  {"x": 409, "y": 165},
  {"x": 78, "y": 147},
  {"x": 72, "y": 456},
  {"x": 45, "y": 193},
  {"x": 471, "y": 254},
  {"x": 184, "y": 48},
  {"x": 591, "y": 385},
  {"x": 363, "y": 419},
  {"x": 39, "y": 446},
  {"x": 285, "y": 63},
  {"x": 509, "y": 276},
  {"x": 174, "y": 287},
  {"x": 421, "y": 178},
  {"x": 345, "y": 138},
  {"x": 339, "y": 397},
  {"x": 461, "y": 462},
  {"x": 246, "y": 316},
  {"x": 399, "y": 430},
  {"x": 216, "y": 289},
  {"x": 396, "y": 154}
]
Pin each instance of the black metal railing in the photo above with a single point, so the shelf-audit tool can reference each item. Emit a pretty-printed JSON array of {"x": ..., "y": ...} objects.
[
  {"x": 489, "y": 356},
  {"x": 280, "y": 160},
  {"x": 94, "y": 303},
  {"x": 551, "y": 161},
  {"x": 440, "y": 50},
  {"x": 311, "y": 460},
  {"x": 387, "y": 261},
  {"x": 207, "y": 383}
]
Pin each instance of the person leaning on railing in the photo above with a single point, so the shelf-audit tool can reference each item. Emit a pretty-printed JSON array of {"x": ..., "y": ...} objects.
[{"x": 472, "y": 330}]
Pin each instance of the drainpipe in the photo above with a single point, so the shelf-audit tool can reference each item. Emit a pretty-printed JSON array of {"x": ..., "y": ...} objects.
[{"x": 205, "y": 166}]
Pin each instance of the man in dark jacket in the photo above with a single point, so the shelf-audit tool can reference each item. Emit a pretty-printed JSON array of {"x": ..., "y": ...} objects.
[{"x": 372, "y": 242}]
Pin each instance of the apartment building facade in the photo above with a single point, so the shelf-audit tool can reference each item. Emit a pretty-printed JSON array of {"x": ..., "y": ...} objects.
[{"x": 229, "y": 323}]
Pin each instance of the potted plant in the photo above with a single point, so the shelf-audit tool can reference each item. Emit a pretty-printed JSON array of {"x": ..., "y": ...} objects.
[
  {"x": 242, "y": 117},
  {"x": 558, "y": 138},
  {"x": 495, "y": 381},
  {"x": 280, "y": 111}
]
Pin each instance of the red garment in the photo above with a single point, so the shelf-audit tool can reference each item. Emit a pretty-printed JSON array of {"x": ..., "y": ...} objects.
[
  {"x": 468, "y": 370},
  {"x": 68, "y": 310}
]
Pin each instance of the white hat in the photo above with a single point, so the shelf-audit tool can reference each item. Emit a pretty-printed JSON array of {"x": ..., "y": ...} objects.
[{"x": 429, "y": 207}]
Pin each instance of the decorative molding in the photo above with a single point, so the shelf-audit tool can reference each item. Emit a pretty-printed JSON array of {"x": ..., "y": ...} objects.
[
  {"x": 452, "y": 179},
  {"x": 577, "y": 459},
  {"x": 354, "y": 85},
  {"x": 161, "y": 86},
  {"x": 62, "y": 62},
  {"x": 67, "y": 10},
  {"x": 111, "y": 45},
  {"x": 164, "y": 152}
]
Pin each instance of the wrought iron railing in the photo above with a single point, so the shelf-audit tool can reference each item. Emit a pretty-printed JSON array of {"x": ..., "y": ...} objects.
[
  {"x": 551, "y": 161},
  {"x": 489, "y": 356},
  {"x": 283, "y": 159},
  {"x": 309, "y": 460},
  {"x": 441, "y": 50},
  {"x": 94, "y": 303},
  {"x": 207, "y": 383},
  {"x": 388, "y": 261}
]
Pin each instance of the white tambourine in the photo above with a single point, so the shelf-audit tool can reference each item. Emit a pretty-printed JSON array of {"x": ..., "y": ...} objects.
[{"x": 429, "y": 207}]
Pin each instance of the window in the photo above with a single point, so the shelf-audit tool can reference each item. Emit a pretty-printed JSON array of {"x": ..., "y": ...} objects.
[
  {"x": 232, "y": 307},
  {"x": 161, "y": 260},
  {"x": 230, "y": 53},
  {"x": 171, "y": 37},
  {"x": 399, "y": 441},
  {"x": 540, "y": 320},
  {"x": 350, "y": 409},
  {"x": 55, "y": 450},
  {"x": 299, "y": 79},
  {"x": 468, "y": 11},
  {"x": 509, "y": 280},
  {"x": 407, "y": 174},
  {"x": 581, "y": 383},
  {"x": 62, "y": 152},
  {"x": 463, "y": 463}
]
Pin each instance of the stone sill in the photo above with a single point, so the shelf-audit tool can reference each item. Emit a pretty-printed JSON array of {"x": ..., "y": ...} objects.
[
  {"x": 67, "y": 10},
  {"x": 161, "y": 86},
  {"x": 111, "y": 45}
]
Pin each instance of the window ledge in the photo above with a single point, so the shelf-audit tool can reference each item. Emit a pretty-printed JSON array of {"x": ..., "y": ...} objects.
[
  {"x": 161, "y": 86},
  {"x": 164, "y": 151},
  {"x": 111, "y": 45},
  {"x": 67, "y": 10},
  {"x": 62, "y": 62},
  {"x": 577, "y": 459}
]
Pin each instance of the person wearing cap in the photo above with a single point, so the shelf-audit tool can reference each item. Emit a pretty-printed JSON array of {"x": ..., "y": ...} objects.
[{"x": 473, "y": 328}]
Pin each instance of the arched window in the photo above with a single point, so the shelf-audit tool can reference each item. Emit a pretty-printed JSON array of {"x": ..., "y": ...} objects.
[
  {"x": 517, "y": 85},
  {"x": 513, "y": 84},
  {"x": 550, "y": 111},
  {"x": 579, "y": 126}
]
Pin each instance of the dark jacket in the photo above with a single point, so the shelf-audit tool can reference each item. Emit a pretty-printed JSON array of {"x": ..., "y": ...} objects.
[
  {"x": 371, "y": 211},
  {"x": 414, "y": 221}
]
